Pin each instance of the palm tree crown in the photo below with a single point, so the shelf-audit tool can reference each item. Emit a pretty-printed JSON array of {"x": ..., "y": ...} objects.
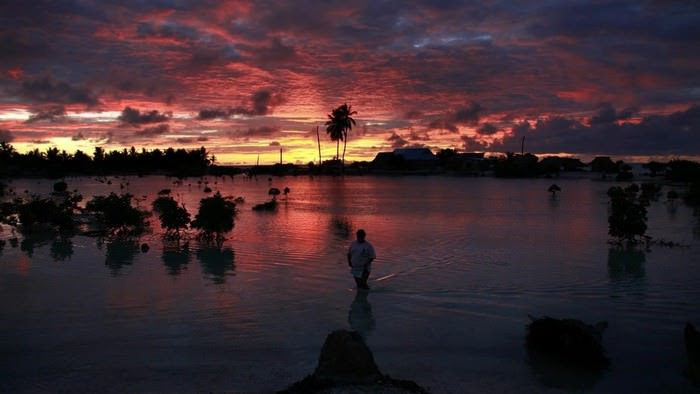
[{"x": 339, "y": 122}]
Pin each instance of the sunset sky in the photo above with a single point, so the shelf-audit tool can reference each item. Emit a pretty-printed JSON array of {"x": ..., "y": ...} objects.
[{"x": 248, "y": 77}]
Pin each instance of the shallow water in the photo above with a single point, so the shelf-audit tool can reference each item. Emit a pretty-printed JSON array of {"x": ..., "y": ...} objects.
[{"x": 461, "y": 263}]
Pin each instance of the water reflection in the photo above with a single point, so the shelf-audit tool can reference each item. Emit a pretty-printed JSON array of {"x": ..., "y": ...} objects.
[
  {"x": 341, "y": 227},
  {"x": 175, "y": 256},
  {"x": 216, "y": 262},
  {"x": 360, "y": 315},
  {"x": 626, "y": 263},
  {"x": 61, "y": 249},
  {"x": 626, "y": 271},
  {"x": 671, "y": 209},
  {"x": 120, "y": 252},
  {"x": 33, "y": 241},
  {"x": 553, "y": 374}
]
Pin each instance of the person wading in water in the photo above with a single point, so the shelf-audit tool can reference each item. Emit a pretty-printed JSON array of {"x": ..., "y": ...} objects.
[{"x": 360, "y": 256}]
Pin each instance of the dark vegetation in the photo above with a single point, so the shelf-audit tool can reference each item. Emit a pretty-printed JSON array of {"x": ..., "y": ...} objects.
[
  {"x": 339, "y": 123},
  {"x": 116, "y": 214},
  {"x": 173, "y": 216},
  {"x": 215, "y": 217},
  {"x": 55, "y": 164},
  {"x": 628, "y": 216},
  {"x": 266, "y": 206}
]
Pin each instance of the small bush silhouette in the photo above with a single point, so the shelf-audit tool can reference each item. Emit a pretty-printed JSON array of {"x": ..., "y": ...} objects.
[
  {"x": 173, "y": 217},
  {"x": 215, "y": 217},
  {"x": 60, "y": 187},
  {"x": 43, "y": 211},
  {"x": 266, "y": 206},
  {"x": 116, "y": 213},
  {"x": 628, "y": 219}
]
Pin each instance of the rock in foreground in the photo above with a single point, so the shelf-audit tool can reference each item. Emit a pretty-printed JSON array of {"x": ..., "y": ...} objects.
[
  {"x": 568, "y": 341},
  {"x": 346, "y": 365},
  {"x": 692, "y": 349}
]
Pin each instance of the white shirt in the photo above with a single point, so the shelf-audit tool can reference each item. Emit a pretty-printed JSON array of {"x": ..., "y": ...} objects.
[{"x": 361, "y": 255}]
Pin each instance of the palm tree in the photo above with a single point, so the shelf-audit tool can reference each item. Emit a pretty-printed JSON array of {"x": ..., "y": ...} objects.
[{"x": 339, "y": 122}]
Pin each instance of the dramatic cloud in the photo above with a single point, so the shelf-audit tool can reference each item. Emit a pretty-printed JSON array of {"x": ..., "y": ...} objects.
[
  {"x": 472, "y": 144},
  {"x": 455, "y": 73},
  {"x": 397, "y": 141},
  {"x": 260, "y": 103},
  {"x": 78, "y": 137},
  {"x": 46, "y": 90},
  {"x": 213, "y": 113},
  {"x": 468, "y": 115},
  {"x": 6, "y": 135},
  {"x": 414, "y": 136},
  {"x": 133, "y": 116},
  {"x": 48, "y": 114},
  {"x": 255, "y": 132},
  {"x": 154, "y": 130},
  {"x": 487, "y": 129},
  {"x": 608, "y": 114},
  {"x": 674, "y": 134}
]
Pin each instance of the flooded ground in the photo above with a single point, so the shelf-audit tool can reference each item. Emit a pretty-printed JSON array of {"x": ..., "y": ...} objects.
[{"x": 461, "y": 263}]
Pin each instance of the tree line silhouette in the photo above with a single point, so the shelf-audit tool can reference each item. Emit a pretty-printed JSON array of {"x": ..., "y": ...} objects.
[{"x": 55, "y": 163}]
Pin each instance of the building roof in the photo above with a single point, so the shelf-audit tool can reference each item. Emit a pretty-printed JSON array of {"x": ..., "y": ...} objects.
[{"x": 415, "y": 154}]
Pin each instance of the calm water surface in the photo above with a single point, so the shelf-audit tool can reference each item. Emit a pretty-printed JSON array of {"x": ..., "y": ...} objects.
[{"x": 461, "y": 263}]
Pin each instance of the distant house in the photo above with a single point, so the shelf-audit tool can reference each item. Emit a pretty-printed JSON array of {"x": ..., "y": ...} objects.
[
  {"x": 406, "y": 159},
  {"x": 416, "y": 154},
  {"x": 466, "y": 163}
]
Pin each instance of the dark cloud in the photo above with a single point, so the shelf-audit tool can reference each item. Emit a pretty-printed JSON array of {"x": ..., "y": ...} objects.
[
  {"x": 133, "y": 116},
  {"x": 274, "y": 143},
  {"x": 189, "y": 140},
  {"x": 204, "y": 56},
  {"x": 414, "y": 136},
  {"x": 48, "y": 114},
  {"x": 167, "y": 29},
  {"x": 413, "y": 114},
  {"x": 46, "y": 90},
  {"x": 6, "y": 135},
  {"x": 262, "y": 102},
  {"x": 472, "y": 144},
  {"x": 397, "y": 141},
  {"x": 212, "y": 113},
  {"x": 487, "y": 129},
  {"x": 442, "y": 124},
  {"x": 674, "y": 134},
  {"x": 608, "y": 114},
  {"x": 255, "y": 132},
  {"x": 468, "y": 115},
  {"x": 78, "y": 137},
  {"x": 154, "y": 130},
  {"x": 275, "y": 54},
  {"x": 13, "y": 46}
]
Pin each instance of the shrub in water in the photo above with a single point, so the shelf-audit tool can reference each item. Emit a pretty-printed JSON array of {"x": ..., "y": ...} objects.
[
  {"x": 628, "y": 219},
  {"x": 60, "y": 187},
  {"x": 46, "y": 211},
  {"x": 173, "y": 217},
  {"x": 215, "y": 217},
  {"x": 117, "y": 214}
]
